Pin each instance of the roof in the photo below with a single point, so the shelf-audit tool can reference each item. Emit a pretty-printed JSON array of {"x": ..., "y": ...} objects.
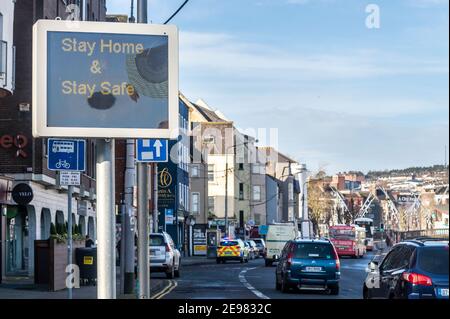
[
  {"x": 282, "y": 158},
  {"x": 429, "y": 242},
  {"x": 209, "y": 115}
]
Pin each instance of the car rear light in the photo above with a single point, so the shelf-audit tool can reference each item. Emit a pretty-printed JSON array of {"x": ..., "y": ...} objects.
[
  {"x": 336, "y": 258},
  {"x": 290, "y": 256},
  {"x": 168, "y": 249},
  {"x": 417, "y": 279}
]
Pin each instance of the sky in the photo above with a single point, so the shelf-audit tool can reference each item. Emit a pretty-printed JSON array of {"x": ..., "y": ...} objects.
[{"x": 342, "y": 96}]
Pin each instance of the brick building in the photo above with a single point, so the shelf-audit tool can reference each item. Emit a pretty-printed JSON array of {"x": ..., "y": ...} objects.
[{"x": 23, "y": 159}]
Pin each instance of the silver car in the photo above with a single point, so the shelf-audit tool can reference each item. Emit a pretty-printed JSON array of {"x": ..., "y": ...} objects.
[{"x": 164, "y": 256}]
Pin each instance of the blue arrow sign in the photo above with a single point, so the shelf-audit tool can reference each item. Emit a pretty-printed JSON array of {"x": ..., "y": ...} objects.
[
  {"x": 66, "y": 155},
  {"x": 152, "y": 150}
]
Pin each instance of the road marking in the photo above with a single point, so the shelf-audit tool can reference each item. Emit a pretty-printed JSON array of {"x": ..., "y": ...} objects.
[
  {"x": 171, "y": 286},
  {"x": 247, "y": 285}
]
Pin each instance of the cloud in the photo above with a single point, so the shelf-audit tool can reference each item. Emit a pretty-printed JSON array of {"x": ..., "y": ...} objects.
[
  {"x": 428, "y": 3},
  {"x": 224, "y": 53}
]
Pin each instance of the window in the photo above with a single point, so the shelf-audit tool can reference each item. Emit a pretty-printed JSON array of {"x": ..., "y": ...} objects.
[
  {"x": 291, "y": 191},
  {"x": 257, "y": 219},
  {"x": 241, "y": 191},
  {"x": 241, "y": 166},
  {"x": 211, "y": 202},
  {"x": 211, "y": 172},
  {"x": 195, "y": 203},
  {"x": 256, "y": 169},
  {"x": 1, "y": 26},
  {"x": 392, "y": 260},
  {"x": 313, "y": 251},
  {"x": 434, "y": 260},
  {"x": 194, "y": 170},
  {"x": 257, "y": 192}
]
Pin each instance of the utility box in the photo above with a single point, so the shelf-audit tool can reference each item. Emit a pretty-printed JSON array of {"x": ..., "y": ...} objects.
[
  {"x": 213, "y": 237},
  {"x": 86, "y": 259}
]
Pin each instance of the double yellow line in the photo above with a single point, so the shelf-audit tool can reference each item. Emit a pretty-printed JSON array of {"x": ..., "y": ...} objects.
[{"x": 171, "y": 286}]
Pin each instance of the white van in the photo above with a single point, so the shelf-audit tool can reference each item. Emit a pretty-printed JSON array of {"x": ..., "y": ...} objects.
[{"x": 277, "y": 236}]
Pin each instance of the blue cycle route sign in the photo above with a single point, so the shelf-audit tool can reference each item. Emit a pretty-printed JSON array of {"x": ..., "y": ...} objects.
[
  {"x": 152, "y": 150},
  {"x": 66, "y": 155}
]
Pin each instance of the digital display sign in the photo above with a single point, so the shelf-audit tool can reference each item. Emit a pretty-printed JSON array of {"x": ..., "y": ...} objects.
[{"x": 105, "y": 80}]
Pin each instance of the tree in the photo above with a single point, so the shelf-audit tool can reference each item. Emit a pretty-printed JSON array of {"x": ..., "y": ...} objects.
[{"x": 319, "y": 204}]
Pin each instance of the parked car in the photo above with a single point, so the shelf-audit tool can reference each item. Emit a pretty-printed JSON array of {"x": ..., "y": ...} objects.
[
  {"x": 412, "y": 269},
  {"x": 308, "y": 264},
  {"x": 261, "y": 244},
  {"x": 254, "y": 251},
  {"x": 164, "y": 256},
  {"x": 232, "y": 249},
  {"x": 277, "y": 236}
]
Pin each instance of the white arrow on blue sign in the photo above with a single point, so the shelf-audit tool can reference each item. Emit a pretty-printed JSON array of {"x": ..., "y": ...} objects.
[
  {"x": 66, "y": 155},
  {"x": 152, "y": 150}
]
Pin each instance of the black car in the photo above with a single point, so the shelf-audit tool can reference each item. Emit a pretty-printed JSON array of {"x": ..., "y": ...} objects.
[{"x": 413, "y": 269}]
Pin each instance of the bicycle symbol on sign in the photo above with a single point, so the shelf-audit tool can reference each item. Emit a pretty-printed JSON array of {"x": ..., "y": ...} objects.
[{"x": 63, "y": 164}]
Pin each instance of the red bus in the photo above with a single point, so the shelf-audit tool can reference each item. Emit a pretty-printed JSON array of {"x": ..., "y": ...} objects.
[{"x": 348, "y": 240}]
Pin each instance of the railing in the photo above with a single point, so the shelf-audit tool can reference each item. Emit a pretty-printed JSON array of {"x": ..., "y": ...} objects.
[{"x": 431, "y": 233}]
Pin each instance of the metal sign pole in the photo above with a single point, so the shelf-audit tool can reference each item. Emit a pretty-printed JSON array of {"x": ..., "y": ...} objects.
[
  {"x": 69, "y": 232},
  {"x": 155, "y": 198},
  {"x": 106, "y": 257},
  {"x": 143, "y": 232},
  {"x": 143, "y": 205}
]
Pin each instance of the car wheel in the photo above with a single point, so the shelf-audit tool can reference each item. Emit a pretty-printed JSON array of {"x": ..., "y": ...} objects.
[
  {"x": 268, "y": 263},
  {"x": 277, "y": 284},
  {"x": 171, "y": 273},
  {"x": 242, "y": 260},
  {"x": 284, "y": 286},
  {"x": 177, "y": 273},
  {"x": 366, "y": 293},
  {"x": 334, "y": 290},
  {"x": 218, "y": 260}
]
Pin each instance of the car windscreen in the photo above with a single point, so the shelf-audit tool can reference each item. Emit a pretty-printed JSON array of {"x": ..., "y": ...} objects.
[
  {"x": 434, "y": 260},
  {"x": 342, "y": 233},
  {"x": 156, "y": 240},
  {"x": 229, "y": 243},
  {"x": 258, "y": 241},
  {"x": 313, "y": 251}
]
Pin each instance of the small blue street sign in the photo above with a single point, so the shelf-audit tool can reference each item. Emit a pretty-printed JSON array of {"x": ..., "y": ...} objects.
[
  {"x": 152, "y": 150},
  {"x": 263, "y": 229},
  {"x": 66, "y": 155}
]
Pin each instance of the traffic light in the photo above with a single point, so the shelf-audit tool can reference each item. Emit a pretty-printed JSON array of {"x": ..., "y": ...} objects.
[{"x": 382, "y": 227}]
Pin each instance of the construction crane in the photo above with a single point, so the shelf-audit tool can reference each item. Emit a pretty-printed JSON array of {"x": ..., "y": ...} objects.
[
  {"x": 366, "y": 206},
  {"x": 391, "y": 205},
  {"x": 340, "y": 199}
]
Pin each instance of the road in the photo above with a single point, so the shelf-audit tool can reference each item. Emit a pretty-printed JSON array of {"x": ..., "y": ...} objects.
[{"x": 255, "y": 281}]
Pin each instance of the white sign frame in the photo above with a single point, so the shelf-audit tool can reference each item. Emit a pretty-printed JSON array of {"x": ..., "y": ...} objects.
[
  {"x": 71, "y": 175},
  {"x": 39, "y": 109}
]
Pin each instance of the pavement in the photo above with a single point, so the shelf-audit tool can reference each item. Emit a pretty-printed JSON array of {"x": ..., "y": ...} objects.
[{"x": 24, "y": 287}]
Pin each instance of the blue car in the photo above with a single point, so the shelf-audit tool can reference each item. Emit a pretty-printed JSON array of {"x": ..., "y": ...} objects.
[
  {"x": 308, "y": 264},
  {"x": 413, "y": 269}
]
